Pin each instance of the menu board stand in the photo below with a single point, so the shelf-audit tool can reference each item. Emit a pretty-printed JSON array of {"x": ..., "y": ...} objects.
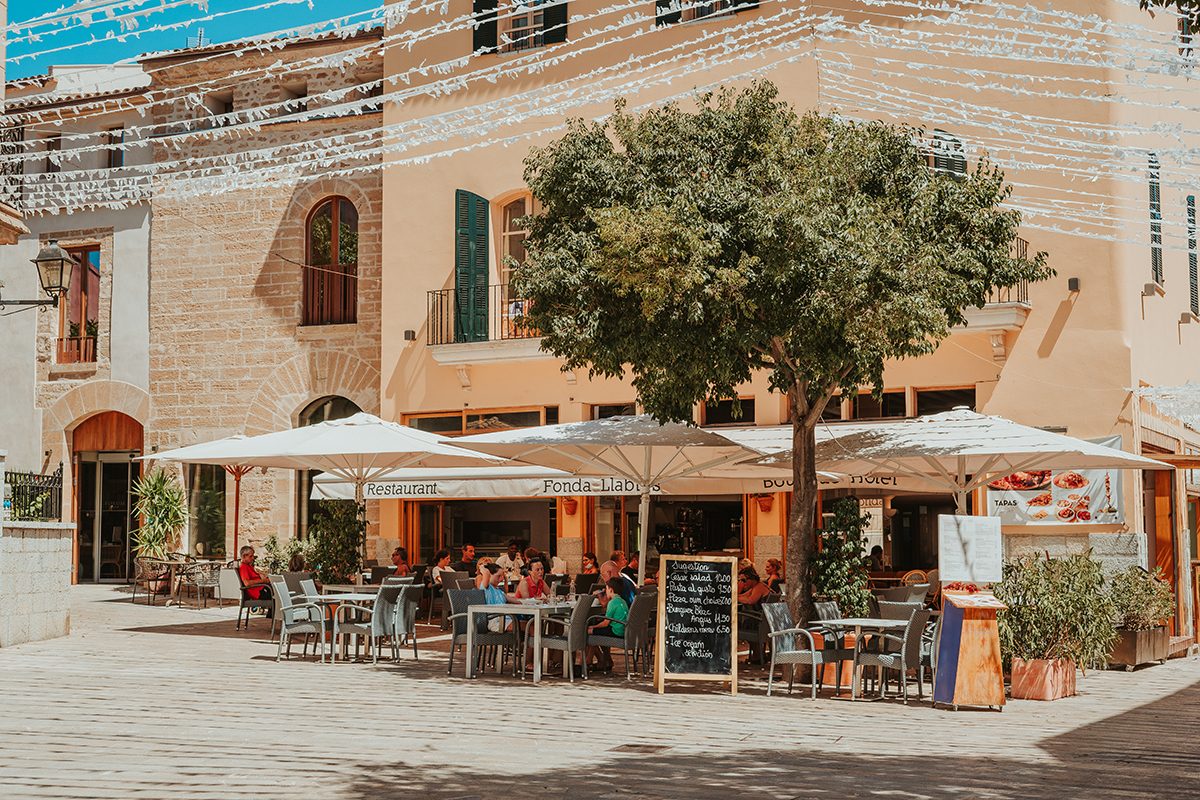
[
  {"x": 968, "y": 670},
  {"x": 697, "y": 620}
]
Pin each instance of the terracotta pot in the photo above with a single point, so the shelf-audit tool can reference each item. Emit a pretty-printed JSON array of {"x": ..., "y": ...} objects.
[
  {"x": 765, "y": 502},
  {"x": 1042, "y": 679},
  {"x": 570, "y": 506},
  {"x": 1140, "y": 647}
]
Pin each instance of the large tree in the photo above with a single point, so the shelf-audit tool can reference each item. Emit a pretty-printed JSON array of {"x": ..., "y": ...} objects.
[{"x": 693, "y": 248}]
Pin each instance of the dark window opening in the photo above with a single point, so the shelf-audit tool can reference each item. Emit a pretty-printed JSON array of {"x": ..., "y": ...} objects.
[
  {"x": 723, "y": 412},
  {"x": 604, "y": 411},
  {"x": 323, "y": 410},
  {"x": 206, "y": 508},
  {"x": 935, "y": 401},
  {"x": 331, "y": 271},
  {"x": 892, "y": 405}
]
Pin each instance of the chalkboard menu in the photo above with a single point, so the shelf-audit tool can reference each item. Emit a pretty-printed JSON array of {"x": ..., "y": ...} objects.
[{"x": 697, "y": 620}]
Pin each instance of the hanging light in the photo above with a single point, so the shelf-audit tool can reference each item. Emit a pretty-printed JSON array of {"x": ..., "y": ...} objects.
[{"x": 54, "y": 267}]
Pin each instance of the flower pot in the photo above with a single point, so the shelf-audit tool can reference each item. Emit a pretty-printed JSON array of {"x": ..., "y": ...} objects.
[
  {"x": 570, "y": 506},
  {"x": 1140, "y": 647},
  {"x": 765, "y": 502},
  {"x": 1042, "y": 679}
]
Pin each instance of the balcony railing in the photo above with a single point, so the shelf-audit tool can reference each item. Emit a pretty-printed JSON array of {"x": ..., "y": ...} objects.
[
  {"x": 330, "y": 295},
  {"x": 480, "y": 314},
  {"x": 1010, "y": 294},
  {"x": 34, "y": 497},
  {"x": 77, "y": 350}
]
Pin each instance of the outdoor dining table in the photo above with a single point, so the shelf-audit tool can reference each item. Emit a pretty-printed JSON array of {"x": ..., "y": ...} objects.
[
  {"x": 174, "y": 577},
  {"x": 351, "y": 588},
  {"x": 332, "y": 596},
  {"x": 536, "y": 611},
  {"x": 861, "y": 624}
]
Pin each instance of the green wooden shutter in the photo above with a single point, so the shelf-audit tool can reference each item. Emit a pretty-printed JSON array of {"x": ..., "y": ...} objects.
[
  {"x": 470, "y": 267},
  {"x": 483, "y": 37},
  {"x": 1156, "y": 256},
  {"x": 554, "y": 23},
  {"x": 1193, "y": 278}
]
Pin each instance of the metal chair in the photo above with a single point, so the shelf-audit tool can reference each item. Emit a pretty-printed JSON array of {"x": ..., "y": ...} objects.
[
  {"x": 204, "y": 575},
  {"x": 307, "y": 618},
  {"x": 405, "y": 623},
  {"x": 584, "y": 582},
  {"x": 249, "y": 603},
  {"x": 379, "y": 573},
  {"x": 150, "y": 574},
  {"x": 751, "y": 628},
  {"x": 573, "y": 640},
  {"x": 636, "y": 640},
  {"x": 907, "y": 654},
  {"x": 459, "y": 599},
  {"x": 785, "y": 650},
  {"x": 375, "y": 623}
]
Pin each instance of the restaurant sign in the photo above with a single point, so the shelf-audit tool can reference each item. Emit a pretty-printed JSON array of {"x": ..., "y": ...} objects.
[{"x": 1060, "y": 497}]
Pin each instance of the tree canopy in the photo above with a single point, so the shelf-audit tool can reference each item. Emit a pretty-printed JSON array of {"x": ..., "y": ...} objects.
[{"x": 693, "y": 248}]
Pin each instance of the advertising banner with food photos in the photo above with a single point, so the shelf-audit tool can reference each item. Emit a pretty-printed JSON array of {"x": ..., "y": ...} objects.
[{"x": 1060, "y": 497}]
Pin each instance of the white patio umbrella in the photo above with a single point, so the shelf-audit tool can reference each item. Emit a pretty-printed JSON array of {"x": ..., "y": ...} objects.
[
  {"x": 957, "y": 451},
  {"x": 357, "y": 449},
  {"x": 635, "y": 448}
]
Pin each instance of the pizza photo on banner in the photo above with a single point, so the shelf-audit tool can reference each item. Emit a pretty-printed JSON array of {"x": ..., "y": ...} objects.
[{"x": 1059, "y": 497}]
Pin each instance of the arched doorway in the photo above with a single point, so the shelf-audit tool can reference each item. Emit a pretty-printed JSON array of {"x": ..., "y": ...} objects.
[
  {"x": 104, "y": 447},
  {"x": 322, "y": 410}
]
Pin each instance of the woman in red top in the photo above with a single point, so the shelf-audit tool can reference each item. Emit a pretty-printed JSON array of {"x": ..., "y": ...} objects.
[
  {"x": 533, "y": 585},
  {"x": 257, "y": 586}
]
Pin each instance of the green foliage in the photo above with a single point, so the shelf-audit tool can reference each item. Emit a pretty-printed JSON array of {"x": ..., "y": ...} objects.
[
  {"x": 1142, "y": 600},
  {"x": 91, "y": 328},
  {"x": 695, "y": 248},
  {"x": 162, "y": 507},
  {"x": 1057, "y": 608},
  {"x": 838, "y": 571},
  {"x": 335, "y": 539},
  {"x": 276, "y": 558},
  {"x": 1189, "y": 9}
]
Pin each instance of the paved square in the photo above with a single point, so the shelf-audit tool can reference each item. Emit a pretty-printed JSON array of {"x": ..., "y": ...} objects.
[{"x": 173, "y": 703}]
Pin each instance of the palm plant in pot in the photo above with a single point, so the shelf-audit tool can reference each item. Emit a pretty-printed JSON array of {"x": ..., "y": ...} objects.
[
  {"x": 1143, "y": 601},
  {"x": 162, "y": 509},
  {"x": 1060, "y": 615}
]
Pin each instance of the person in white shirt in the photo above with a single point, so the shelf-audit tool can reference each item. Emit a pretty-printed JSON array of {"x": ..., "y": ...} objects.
[
  {"x": 512, "y": 562},
  {"x": 441, "y": 564}
]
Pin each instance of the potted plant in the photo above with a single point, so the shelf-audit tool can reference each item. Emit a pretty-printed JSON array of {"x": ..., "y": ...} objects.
[
  {"x": 335, "y": 540},
  {"x": 1143, "y": 601},
  {"x": 1059, "y": 616},
  {"x": 162, "y": 508},
  {"x": 838, "y": 571}
]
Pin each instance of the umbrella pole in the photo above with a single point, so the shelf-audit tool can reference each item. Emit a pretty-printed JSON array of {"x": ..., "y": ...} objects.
[
  {"x": 237, "y": 473},
  {"x": 643, "y": 523}
]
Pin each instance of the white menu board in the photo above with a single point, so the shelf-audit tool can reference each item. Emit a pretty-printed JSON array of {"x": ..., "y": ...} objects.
[{"x": 969, "y": 549}]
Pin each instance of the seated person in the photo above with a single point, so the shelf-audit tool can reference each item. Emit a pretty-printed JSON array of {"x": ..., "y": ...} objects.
[
  {"x": 483, "y": 578},
  {"x": 467, "y": 562},
  {"x": 258, "y": 587},
  {"x": 441, "y": 563},
  {"x": 400, "y": 560},
  {"x": 631, "y": 569},
  {"x": 774, "y": 574},
  {"x": 590, "y": 565},
  {"x": 533, "y": 585},
  {"x": 511, "y": 562},
  {"x": 751, "y": 590},
  {"x": 617, "y": 611},
  {"x": 608, "y": 570},
  {"x": 494, "y": 595},
  {"x": 875, "y": 560}
]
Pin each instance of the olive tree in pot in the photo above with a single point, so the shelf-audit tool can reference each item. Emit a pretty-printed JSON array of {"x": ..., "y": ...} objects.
[
  {"x": 1143, "y": 602},
  {"x": 1060, "y": 615},
  {"x": 335, "y": 540}
]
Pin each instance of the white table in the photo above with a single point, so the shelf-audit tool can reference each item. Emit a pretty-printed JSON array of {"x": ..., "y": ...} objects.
[
  {"x": 536, "y": 611},
  {"x": 860, "y": 624},
  {"x": 342, "y": 598}
]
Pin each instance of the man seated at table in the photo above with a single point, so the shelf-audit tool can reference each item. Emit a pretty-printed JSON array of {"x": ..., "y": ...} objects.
[
  {"x": 875, "y": 560},
  {"x": 400, "y": 560},
  {"x": 467, "y": 562},
  {"x": 608, "y": 571},
  {"x": 258, "y": 587},
  {"x": 511, "y": 562}
]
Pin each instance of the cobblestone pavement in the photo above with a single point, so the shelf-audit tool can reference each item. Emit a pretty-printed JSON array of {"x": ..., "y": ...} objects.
[{"x": 173, "y": 703}]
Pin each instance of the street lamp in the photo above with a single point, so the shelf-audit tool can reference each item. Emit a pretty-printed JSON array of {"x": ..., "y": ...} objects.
[{"x": 54, "y": 266}]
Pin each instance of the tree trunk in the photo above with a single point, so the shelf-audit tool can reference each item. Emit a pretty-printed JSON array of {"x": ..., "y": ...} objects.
[{"x": 800, "y": 522}]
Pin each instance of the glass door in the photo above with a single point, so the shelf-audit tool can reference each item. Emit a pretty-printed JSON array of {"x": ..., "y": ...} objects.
[{"x": 106, "y": 518}]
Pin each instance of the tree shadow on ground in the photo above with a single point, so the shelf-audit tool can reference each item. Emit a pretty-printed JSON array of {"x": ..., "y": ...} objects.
[{"x": 1145, "y": 753}]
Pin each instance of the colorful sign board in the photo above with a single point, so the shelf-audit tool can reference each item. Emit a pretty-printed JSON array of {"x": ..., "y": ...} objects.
[{"x": 1060, "y": 497}]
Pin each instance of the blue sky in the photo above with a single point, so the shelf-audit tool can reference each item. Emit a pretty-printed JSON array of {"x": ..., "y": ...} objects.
[{"x": 108, "y": 48}]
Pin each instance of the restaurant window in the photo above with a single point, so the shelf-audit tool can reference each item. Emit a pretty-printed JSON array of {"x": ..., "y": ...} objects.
[
  {"x": 723, "y": 412},
  {"x": 331, "y": 269},
  {"x": 892, "y": 405},
  {"x": 668, "y": 12},
  {"x": 935, "y": 401},
  {"x": 476, "y": 420},
  {"x": 115, "y": 153},
  {"x": 604, "y": 411},
  {"x": 517, "y": 25},
  {"x": 79, "y": 309},
  {"x": 206, "y": 508},
  {"x": 323, "y": 410}
]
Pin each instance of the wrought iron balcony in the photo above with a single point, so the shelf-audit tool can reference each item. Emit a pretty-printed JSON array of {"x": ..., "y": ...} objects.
[{"x": 478, "y": 314}]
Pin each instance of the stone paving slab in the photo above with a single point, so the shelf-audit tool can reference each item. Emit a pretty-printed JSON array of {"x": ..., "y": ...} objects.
[{"x": 154, "y": 702}]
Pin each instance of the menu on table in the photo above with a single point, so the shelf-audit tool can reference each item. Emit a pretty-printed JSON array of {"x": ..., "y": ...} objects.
[{"x": 697, "y": 619}]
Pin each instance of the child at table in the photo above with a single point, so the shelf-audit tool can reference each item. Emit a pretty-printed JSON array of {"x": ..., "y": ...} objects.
[{"x": 617, "y": 611}]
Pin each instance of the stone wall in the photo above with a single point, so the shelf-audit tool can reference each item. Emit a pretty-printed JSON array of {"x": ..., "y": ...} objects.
[{"x": 35, "y": 580}]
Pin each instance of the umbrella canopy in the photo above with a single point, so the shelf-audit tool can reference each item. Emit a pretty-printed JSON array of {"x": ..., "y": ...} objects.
[
  {"x": 957, "y": 450},
  {"x": 638, "y": 449}
]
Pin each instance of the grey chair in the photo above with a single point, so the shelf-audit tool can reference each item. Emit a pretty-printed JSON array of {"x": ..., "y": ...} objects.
[
  {"x": 406, "y": 580},
  {"x": 204, "y": 575},
  {"x": 929, "y": 643},
  {"x": 151, "y": 575},
  {"x": 405, "y": 624},
  {"x": 636, "y": 640},
  {"x": 459, "y": 599},
  {"x": 890, "y": 610},
  {"x": 574, "y": 638},
  {"x": 294, "y": 583},
  {"x": 379, "y": 573},
  {"x": 294, "y": 618},
  {"x": 374, "y": 623},
  {"x": 584, "y": 582},
  {"x": 788, "y": 647},
  {"x": 907, "y": 655}
]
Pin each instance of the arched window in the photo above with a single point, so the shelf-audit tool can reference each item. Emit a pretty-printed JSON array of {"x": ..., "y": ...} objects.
[
  {"x": 323, "y": 410},
  {"x": 331, "y": 271}
]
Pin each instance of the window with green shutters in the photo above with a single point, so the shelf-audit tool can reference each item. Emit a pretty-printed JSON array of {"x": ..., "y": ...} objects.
[{"x": 470, "y": 267}]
